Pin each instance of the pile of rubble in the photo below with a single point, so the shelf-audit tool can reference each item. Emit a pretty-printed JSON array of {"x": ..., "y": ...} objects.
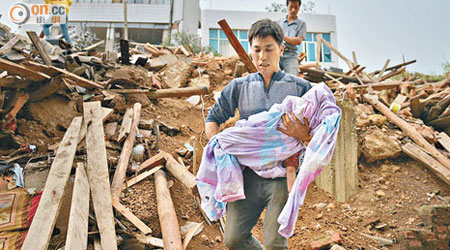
[{"x": 102, "y": 113}]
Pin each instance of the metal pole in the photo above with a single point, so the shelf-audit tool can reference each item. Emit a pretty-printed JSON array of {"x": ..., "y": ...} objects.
[
  {"x": 171, "y": 20},
  {"x": 125, "y": 20}
]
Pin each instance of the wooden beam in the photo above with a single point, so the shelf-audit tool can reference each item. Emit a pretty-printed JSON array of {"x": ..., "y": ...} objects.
[
  {"x": 156, "y": 160},
  {"x": 141, "y": 177},
  {"x": 380, "y": 75},
  {"x": 122, "y": 165},
  {"x": 83, "y": 82},
  {"x": 408, "y": 129},
  {"x": 418, "y": 154},
  {"x": 95, "y": 45},
  {"x": 41, "y": 228},
  {"x": 77, "y": 233},
  {"x": 180, "y": 172},
  {"x": 131, "y": 217},
  {"x": 170, "y": 229},
  {"x": 37, "y": 43},
  {"x": 393, "y": 73},
  {"x": 237, "y": 46},
  {"x": 165, "y": 93},
  {"x": 349, "y": 63},
  {"x": 21, "y": 100},
  {"x": 17, "y": 69},
  {"x": 444, "y": 140},
  {"x": 125, "y": 127},
  {"x": 97, "y": 169},
  {"x": 8, "y": 46},
  {"x": 354, "y": 58},
  {"x": 394, "y": 67}
]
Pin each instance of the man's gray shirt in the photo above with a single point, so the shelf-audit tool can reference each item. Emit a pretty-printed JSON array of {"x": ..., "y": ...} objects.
[
  {"x": 250, "y": 96},
  {"x": 296, "y": 28}
]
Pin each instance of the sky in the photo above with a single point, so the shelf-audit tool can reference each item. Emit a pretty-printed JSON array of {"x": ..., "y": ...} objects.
[{"x": 376, "y": 30}]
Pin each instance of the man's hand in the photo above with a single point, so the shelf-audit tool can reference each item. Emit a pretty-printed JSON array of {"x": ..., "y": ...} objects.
[{"x": 295, "y": 128}]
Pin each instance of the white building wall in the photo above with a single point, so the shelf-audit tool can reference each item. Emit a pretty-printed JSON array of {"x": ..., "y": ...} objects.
[{"x": 242, "y": 20}]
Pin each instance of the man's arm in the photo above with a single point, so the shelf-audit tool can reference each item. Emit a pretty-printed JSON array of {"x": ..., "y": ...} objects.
[
  {"x": 211, "y": 129},
  {"x": 293, "y": 40}
]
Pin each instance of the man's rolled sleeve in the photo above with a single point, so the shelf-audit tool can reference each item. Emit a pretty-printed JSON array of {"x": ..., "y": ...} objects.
[
  {"x": 225, "y": 106},
  {"x": 302, "y": 31}
]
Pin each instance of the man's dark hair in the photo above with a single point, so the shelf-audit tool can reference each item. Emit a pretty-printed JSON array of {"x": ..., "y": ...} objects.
[
  {"x": 299, "y": 2},
  {"x": 264, "y": 28}
]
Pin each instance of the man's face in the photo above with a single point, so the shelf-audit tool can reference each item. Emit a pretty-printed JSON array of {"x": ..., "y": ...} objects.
[
  {"x": 266, "y": 54},
  {"x": 293, "y": 8}
]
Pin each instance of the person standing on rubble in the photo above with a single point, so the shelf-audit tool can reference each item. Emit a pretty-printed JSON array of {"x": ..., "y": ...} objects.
[
  {"x": 64, "y": 26},
  {"x": 252, "y": 94},
  {"x": 294, "y": 34}
]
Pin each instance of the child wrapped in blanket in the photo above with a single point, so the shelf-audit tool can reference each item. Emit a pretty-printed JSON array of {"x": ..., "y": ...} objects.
[{"x": 259, "y": 144}]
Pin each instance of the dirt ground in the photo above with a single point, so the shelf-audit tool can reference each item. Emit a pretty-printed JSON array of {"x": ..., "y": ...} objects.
[
  {"x": 389, "y": 192},
  {"x": 402, "y": 185}
]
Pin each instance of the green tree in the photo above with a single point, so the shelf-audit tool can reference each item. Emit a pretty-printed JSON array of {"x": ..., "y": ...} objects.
[
  {"x": 307, "y": 7},
  {"x": 185, "y": 39}
]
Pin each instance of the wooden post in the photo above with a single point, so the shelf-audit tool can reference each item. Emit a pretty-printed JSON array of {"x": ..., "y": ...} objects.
[
  {"x": 380, "y": 75},
  {"x": 97, "y": 170},
  {"x": 41, "y": 228},
  {"x": 122, "y": 165},
  {"x": 77, "y": 232},
  {"x": 349, "y": 63},
  {"x": 180, "y": 172},
  {"x": 37, "y": 43},
  {"x": 409, "y": 130},
  {"x": 237, "y": 46},
  {"x": 318, "y": 48},
  {"x": 170, "y": 229}
]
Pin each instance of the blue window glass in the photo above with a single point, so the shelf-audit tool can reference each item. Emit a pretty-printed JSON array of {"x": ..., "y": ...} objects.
[
  {"x": 222, "y": 34},
  {"x": 311, "y": 52},
  {"x": 326, "y": 53},
  {"x": 308, "y": 37},
  {"x": 236, "y": 33},
  {"x": 213, "y": 33},
  {"x": 243, "y": 34},
  {"x": 326, "y": 37},
  {"x": 300, "y": 48},
  {"x": 245, "y": 45},
  {"x": 214, "y": 43},
  {"x": 314, "y": 37}
]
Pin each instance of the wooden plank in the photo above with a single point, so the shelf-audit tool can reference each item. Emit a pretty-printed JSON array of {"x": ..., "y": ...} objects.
[
  {"x": 40, "y": 68},
  {"x": 141, "y": 177},
  {"x": 237, "y": 46},
  {"x": 125, "y": 127},
  {"x": 349, "y": 63},
  {"x": 380, "y": 75},
  {"x": 97, "y": 169},
  {"x": 170, "y": 228},
  {"x": 77, "y": 232},
  {"x": 122, "y": 165},
  {"x": 95, "y": 45},
  {"x": 37, "y": 43},
  {"x": 418, "y": 154},
  {"x": 41, "y": 228},
  {"x": 131, "y": 217},
  {"x": 83, "y": 82},
  {"x": 156, "y": 160},
  {"x": 444, "y": 140},
  {"x": 408, "y": 129},
  {"x": 8, "y": 46},
  {"x": 190, "y": 234},
  {"x": 394, "y": 67},
  {"x": 17, "y": 69},
  {"x": 106, "y": 113},
  {"x": 97, "y": 244}
]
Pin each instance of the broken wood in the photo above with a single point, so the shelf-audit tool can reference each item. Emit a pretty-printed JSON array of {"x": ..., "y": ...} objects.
[
  {"x": 125, "y": 127},
  {"x": 122, "y": 165},
  {"x": 21, "y": 100},
  {"x": 40, "y": 231},
  {"x": 408, "y": 129},
  {"x": 380, "y": 75},
  {"x": 349, "y": 63},
  {"x": 97, "y": 170},
  {"x": 83, "y": 82},
  {"x": 77, "y": 232},
  {"x": 444, "y": 140},
  {"x": 8, "y": 46},
  {"x": 170, "y": 228},
  {"x": 394, "y": 67},
  {"x": 37, "y": 43},
  {"x": 237, "y": 46},
  {"x": 418, "y": 154},
  {"x": 382, "y": 241},
  {"x": 156, "y": 160},
  {"x": 131, "y": 217},
  {"x": 95, "y": 45},
  {"x": 141, "y": 177},
  {"x": 47, "y": 89},
  {"x": 165, "y": 93},
  {"x": 17, "y": 69},
  {"x": 190, "y": 234},
  {"x": 180, "y": 172}
]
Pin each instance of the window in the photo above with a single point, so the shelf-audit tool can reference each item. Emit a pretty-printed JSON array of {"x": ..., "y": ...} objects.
[
  {"x": 309, "y": 47},
  {"x": 219, "y": 41}
]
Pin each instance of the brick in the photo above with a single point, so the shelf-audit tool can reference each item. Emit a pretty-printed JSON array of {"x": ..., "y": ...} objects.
[
  {"x": 409, "y": 235},
  {"x": 325, "y": 242},
  {"x": 429, "y": 236},
  {"x": 441, "y": 229},
  {"x": 442, "y": 236}
]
